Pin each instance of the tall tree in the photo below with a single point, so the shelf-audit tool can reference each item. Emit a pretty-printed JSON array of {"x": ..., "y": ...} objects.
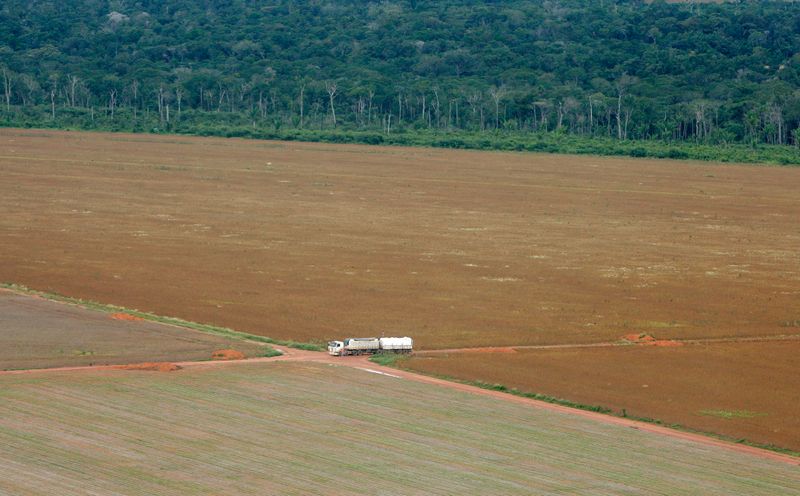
[{"x": 331, "y": 88}]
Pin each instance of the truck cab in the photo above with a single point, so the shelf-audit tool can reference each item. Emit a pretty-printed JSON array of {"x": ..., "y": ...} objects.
[{"x": 335, "y": 348}]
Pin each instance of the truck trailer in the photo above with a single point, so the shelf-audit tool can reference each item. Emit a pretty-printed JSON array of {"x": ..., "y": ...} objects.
[{"x": 369, "y": 346}]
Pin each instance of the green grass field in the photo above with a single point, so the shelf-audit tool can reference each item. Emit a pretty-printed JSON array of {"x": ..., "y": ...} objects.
[{"x": 299, "y": 428}]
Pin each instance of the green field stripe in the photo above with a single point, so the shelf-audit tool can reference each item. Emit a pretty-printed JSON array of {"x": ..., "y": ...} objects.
[{"x": 303, "y": 428}]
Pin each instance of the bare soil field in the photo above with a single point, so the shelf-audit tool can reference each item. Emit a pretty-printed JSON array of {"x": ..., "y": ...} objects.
[
  {"x": 464, "y": 248},
  {"x": 455, "y": 248},
  {"x": 305, "y": 428},
  {"x": 742, "y": 390},
  {"x": 38, "y": 333}
]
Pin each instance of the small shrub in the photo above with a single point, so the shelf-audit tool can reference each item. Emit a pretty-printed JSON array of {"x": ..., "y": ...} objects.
[
  {"x": 303, "y": 346},
  {"x": 269, "y": 351},
  {"x": 386, "y": 359},
  {"x": 674, "y": 153},
  {"x": 638, "y": 152}
]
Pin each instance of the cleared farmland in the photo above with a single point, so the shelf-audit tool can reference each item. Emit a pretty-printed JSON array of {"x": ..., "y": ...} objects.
[
  {"x": 458, "y": 249},
  {"x": 38, "y": 333},
  {"x": 292, "y": 428},
  {"x": 735, "y": 389},
  {"x": 305, "y": 241}
]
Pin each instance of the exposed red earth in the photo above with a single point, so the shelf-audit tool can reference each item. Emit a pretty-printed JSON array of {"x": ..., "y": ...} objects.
[
  {"x": 150, "y": 366},
  {"x": 649, "y": 340},
  {"x": 457, "y": 248},
  {"x": 227, "y": 355},
  {"x": 125, "y": 316}
]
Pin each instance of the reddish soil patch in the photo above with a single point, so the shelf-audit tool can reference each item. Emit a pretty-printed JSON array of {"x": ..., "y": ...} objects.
[
  {"x": 649, "y": 340},
  {"x": 151, "y": 366},
  {"x": 125, "y": 316},
  {"x": 638, "y": 338},
  {"x": 227, "y": 355}
]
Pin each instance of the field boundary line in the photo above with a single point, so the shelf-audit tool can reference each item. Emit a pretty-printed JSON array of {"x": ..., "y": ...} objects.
[
  {"x": 597, "y": 416},
  {"x": 609, "y": 344}
]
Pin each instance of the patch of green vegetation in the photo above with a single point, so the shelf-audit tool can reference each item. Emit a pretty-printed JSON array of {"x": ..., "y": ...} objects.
[
  {"x": 387, "y": 359},
  {"x": 539, "y": 142},
  {"x": 655, "y": 324},
  {"x": 269, "y": 351},
  {"x": 499, "y": 84},
  {"x": 731, "y": 414},
  {"x": 207, "y": 328},
  {"x": 649, "y": 324},
  {"x": 538, "y": 396},
  {"x": 300, "y": 346}
]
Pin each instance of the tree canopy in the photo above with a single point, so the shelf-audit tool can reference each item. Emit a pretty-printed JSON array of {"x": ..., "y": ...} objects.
[{"x": 716, "y": 72}]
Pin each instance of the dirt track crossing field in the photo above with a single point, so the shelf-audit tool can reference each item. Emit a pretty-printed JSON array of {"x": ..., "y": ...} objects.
[
  {"x": 456, "y": 248},
  {"x": 302, "y": 428}
]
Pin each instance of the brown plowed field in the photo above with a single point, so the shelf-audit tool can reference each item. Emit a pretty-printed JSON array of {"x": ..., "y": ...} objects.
[
  {"x": 38, "y": 333},
  {"x": 455, "y": 248},
  {"x": 743, "y": 390},
  {"x": 460, "y": 248}
]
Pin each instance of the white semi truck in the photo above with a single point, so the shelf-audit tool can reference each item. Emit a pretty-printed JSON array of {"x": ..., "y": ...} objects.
[{"x": 368, "y": 346}]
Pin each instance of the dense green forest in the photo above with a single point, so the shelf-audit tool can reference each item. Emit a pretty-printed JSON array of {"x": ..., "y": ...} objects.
[{"x": 450, "y": 72}]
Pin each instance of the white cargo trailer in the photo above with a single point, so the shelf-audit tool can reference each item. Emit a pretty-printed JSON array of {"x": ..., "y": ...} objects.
[
  {"x": 368, "y": 346},
  {"x": 399, "y": 345}
]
